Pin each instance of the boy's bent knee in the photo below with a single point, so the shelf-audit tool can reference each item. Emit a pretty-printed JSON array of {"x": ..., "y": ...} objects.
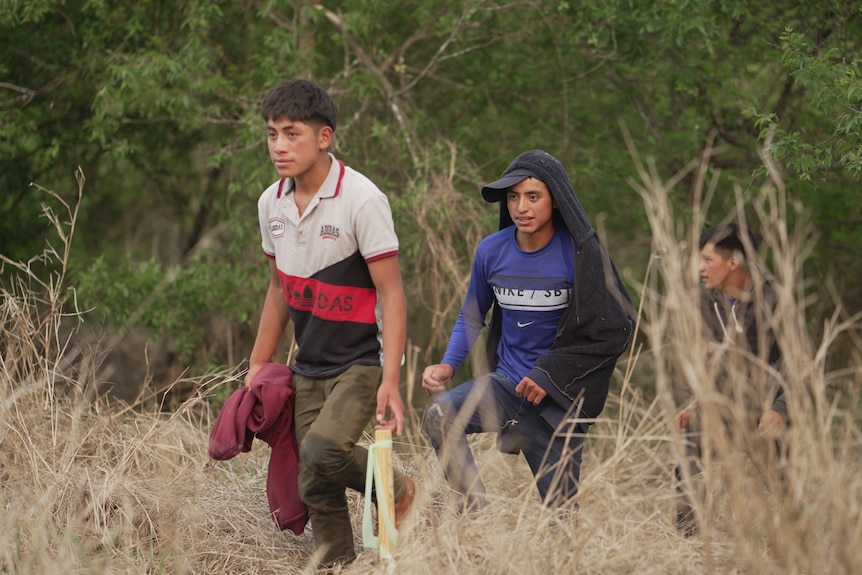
[
  {"x": 321, "y": 455},
  {"x": 434, "y": 423}
]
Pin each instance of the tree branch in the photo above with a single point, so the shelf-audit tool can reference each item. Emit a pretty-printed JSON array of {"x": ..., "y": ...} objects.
[{"x": 389, "y": 91}]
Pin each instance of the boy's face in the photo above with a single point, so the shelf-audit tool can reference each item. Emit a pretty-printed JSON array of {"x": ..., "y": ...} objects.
[
  {"x": 715, "y": 267},
  {"x": 294, "y": 146},
  {"x": 531, "y": 207}
]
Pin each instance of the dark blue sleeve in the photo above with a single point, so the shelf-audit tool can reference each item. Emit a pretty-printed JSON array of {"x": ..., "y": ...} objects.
[{"x": 471, "y": 318}]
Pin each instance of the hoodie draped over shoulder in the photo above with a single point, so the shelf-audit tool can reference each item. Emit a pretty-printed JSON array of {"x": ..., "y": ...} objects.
[{"x": 597, "y": 327}]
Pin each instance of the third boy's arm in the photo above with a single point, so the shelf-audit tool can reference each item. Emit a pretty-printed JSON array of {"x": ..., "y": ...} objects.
[{"x": 386, "y": 275}]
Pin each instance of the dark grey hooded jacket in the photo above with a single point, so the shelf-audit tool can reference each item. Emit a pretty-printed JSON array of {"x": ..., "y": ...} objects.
[
  {"x": 742, "y": 321},
  {"x": 596, "y": 328}
]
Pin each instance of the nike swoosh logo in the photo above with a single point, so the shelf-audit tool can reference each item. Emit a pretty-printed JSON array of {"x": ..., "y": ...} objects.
[{"x": 525, "y": 324}]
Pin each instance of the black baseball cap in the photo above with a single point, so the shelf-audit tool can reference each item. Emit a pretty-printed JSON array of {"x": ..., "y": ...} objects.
[{"x": 496, "y": 191}]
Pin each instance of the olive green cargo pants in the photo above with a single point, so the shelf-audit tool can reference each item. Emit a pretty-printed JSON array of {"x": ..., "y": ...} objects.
[{"x": 330, "y": 416}]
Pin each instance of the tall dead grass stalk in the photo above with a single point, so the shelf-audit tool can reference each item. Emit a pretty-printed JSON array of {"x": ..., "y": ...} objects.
[
  {"x": 91, "y": 489},
  {"x": 794, "y": 511}
]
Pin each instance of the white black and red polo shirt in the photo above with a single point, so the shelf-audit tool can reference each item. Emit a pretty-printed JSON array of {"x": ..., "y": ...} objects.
[{"x": 322, "y": 260}]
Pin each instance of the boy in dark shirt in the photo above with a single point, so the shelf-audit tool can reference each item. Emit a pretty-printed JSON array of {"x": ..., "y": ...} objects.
[{"x": 737, "y": 308}]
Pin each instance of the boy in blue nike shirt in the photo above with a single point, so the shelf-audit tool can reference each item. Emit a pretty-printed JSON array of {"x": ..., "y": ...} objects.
[{"x": 560, "y": 321}]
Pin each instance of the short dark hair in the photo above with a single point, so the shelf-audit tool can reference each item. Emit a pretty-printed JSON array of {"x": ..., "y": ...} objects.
[
  {"x": 300, "y": 100},
  {"x": 727, "y": 238}
]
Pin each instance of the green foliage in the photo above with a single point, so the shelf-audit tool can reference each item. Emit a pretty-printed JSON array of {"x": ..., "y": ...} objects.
[
  {"x": 832, "y": 79},
  {"x": 159, "y": 104},
  {"x": 168, "y": 300}
]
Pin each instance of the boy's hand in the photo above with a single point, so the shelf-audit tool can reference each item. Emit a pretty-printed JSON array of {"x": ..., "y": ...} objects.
[
  {"x": 389, "y": 396},
  {"x": 436, "y": 377},
  {"x": 531, "y": 391},
  {"x": 253, "y": 368},
  {"x": 682, "y": 420},
  {"x": 772, "y": 423}
]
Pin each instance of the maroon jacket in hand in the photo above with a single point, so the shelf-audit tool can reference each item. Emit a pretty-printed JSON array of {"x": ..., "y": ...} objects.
[{"x": 265, "y": 410}]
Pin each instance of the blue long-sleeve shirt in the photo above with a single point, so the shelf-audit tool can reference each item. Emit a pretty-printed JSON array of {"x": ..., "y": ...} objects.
[{"x": 532, "y": 289}]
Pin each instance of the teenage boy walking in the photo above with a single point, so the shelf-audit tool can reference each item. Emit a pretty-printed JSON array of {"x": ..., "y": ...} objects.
[
  {"x": 737, "y": 307},
  {"x": 333, "y": 256},
  {"x": 559, "y": 324}
]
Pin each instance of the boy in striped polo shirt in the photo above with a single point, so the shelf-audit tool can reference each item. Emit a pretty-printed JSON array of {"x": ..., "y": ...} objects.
[{"x": 333, "y": 256}]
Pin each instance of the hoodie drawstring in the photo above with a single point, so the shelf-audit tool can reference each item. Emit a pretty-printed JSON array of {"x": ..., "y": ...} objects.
[{"x": 736, "y": 323}]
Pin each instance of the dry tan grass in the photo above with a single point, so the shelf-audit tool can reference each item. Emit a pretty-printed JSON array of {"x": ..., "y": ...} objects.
[{"x": 92, "y": 489}]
